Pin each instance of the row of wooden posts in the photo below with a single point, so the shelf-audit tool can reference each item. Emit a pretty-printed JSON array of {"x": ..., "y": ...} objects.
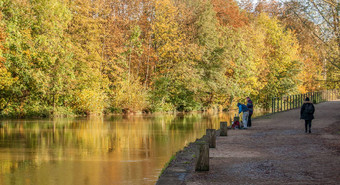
[
  {"x": 208, "y": 141},
  {"x": 278, "y": 104},
  {"x": 289, "y": 102}
]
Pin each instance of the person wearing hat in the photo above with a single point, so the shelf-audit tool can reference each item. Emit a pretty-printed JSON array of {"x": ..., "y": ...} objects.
[{"x": 307, "y": 113}]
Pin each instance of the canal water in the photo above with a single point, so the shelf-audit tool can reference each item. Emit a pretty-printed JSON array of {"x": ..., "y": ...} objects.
[{"x": 113, "y": 150}]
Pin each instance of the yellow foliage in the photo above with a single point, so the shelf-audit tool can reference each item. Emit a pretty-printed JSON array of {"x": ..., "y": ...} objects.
[
  {"x": 5, "y": 79},
  {"x": 90, "y": 101},
  {"x": 168, "y": 36},
  {"x": 130, "y": 95}
]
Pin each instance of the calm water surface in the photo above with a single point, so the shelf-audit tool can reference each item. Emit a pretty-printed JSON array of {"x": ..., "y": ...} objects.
[{"x": 113, "y": 150}]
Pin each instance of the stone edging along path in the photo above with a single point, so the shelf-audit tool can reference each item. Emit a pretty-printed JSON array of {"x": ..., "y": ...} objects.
[{"x": 276, "y": 150}]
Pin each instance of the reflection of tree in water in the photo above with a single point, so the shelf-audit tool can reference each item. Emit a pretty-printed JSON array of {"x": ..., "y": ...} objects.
[
  {"x": 11, "y": 166},
  {"x": 114, "y": 138}
]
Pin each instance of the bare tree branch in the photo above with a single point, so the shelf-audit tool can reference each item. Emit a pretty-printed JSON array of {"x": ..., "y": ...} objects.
[
  {"x": 331, "y": 60},
  {"x": 322, "y": 15},
  {"x": 330, "y": 3}
]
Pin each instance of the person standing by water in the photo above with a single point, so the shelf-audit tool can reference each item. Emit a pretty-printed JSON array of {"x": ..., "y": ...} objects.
[
  {"x": 243, "y": 108},
  {"x": 307, "y": 113},
  {"x": 250, "y": 107}
]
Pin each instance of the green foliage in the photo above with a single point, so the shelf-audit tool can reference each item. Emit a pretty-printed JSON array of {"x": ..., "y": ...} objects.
[
  {"x": 178, "y": 91},
  {"x": 206, "y": 26},
  {"x": 160, "y": 96}
]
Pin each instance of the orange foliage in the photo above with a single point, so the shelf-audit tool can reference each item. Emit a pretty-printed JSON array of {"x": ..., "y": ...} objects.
[
  {"x": 228, "y": 13},
  {"x": 272, "y": 8}
]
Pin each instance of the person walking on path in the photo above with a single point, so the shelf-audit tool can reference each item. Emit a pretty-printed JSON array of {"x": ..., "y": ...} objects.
[
  {"x": 307, "y": 113},
  {"x": 250, "y": 107},
  {"x": 243, "y": 108}
]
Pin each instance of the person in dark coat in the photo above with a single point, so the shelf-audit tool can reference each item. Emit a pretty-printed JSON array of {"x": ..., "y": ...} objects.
[
  {"x": 250, "y": 107},
  {"x": 307, "y": 113}
]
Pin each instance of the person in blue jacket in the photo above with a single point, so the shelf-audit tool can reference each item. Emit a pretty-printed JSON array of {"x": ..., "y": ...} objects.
[{"x": 243, "y": 108}]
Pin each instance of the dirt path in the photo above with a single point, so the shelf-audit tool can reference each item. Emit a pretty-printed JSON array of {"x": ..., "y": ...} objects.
[{"x": 276, "y": 150}]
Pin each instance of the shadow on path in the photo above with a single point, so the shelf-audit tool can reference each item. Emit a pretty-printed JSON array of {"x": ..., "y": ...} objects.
[{"x": 276, "y": 150}]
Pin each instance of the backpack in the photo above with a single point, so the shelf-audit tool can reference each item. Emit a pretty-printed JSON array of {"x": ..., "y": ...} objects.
[{"x": 309, "y": 108}]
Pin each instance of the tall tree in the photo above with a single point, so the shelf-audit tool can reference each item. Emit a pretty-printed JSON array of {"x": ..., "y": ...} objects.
[
  {"x": 16, "y": 18},
  {"x": 53, "y": 71},
  {"x": 6, "y": 80},
  {"x": 283, "y": 58},
  {"x": 211, "y": 63},
  {"x": 86, "y": 32},
  {"x": 312, "y": 49},
  {"x": 325, "y": 18}
]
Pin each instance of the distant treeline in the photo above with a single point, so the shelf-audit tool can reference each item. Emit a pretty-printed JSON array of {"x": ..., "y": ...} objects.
[{"x": 62, "y": 57}]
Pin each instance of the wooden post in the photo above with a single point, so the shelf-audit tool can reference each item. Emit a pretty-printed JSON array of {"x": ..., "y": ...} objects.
[
  {"x": 202, "y": 163},
  {"x": 284, "y": 104},
  {"x": 315, "y": 94},
  {"x": 304, "y": 97},
  {"x": 319, "y": 96},
  {"x": 224, "y": 129},
  {"x": 332, "y": 94},
  {"x": 211, "y": 134},
  {"x": 272, "y": 105}
]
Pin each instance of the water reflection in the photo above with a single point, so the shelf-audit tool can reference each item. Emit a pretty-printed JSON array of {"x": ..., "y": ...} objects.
[{"x": 110, "y": 150}]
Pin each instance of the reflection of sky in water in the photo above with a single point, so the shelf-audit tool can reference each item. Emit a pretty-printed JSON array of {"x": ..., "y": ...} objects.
[{"x": 110, "y": 150}]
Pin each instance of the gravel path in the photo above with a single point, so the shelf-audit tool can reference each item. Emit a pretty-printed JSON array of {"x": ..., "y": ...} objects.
[{"x": 276, "y": 150}]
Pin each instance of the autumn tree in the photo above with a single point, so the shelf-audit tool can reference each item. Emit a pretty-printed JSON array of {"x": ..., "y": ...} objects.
[
  {"x": 321, "y": 19},
  {"x": 86, "y": 32},
  {"x": 96, "y": 56},
  {"x": 6, "y": 80},
  {"x": 312, "y": 49},
  {"x": 283, "y": 58},
  {"x": 228, "y": 13}
]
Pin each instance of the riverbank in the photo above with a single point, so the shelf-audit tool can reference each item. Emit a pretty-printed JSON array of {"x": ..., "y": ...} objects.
[
  {"x": 63, "y": 112},
  {"x": 276, "y": 150}
]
